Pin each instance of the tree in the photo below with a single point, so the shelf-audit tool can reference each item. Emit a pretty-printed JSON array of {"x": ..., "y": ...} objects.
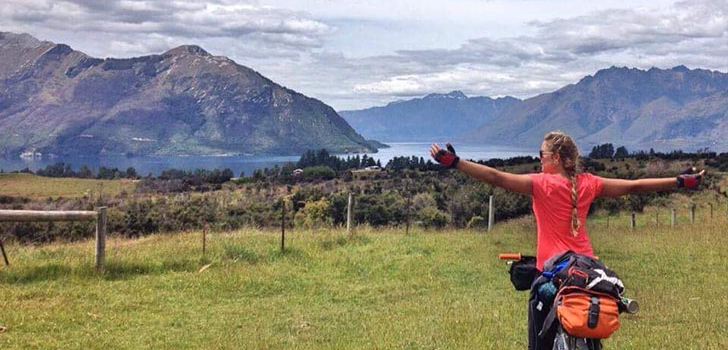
[
  {"x": 85, "y": 172},
  {"x": 227, "y": 174},
  {"x": 605, "y": 150},
  {"x": 131, "y": 173},
  {"x": 60, "y": 169},
  {"x": 108, "y": 173},
  {"x": 370, "y": 162},
  {"x": 621, "y": 152}
]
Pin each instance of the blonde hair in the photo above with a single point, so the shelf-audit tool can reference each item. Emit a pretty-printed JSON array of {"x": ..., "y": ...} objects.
[{"x": 563, "y": 145}]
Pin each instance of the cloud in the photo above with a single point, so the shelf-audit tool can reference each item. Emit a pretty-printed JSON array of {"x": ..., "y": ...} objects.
[
  {"x": 559, "y": 52},
  {"x": 320, "y": 47},
  {"x": 124, "y": 23}
]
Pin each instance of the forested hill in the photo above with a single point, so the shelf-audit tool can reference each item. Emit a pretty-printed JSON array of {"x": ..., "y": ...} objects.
[{"x": 55, "y": 100}]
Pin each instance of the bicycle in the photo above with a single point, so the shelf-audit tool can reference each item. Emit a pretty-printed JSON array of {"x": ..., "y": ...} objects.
[{"x": 523, "y": 273}]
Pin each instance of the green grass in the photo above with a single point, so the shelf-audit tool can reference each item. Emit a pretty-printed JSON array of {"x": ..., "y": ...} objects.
[
  {"x": 32, "y": 186},
  {"x": 378, "y": 289}
]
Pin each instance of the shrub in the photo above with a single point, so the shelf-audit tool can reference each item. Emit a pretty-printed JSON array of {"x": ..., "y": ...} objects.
[
  {"x": 313, "y": 215},
  {"x": 433, "y": 217},
  {"x": 319, "y": 172}
]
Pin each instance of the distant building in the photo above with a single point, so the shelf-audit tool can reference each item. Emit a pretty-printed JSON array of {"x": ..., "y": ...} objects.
[{"x": 297, "y": 172}]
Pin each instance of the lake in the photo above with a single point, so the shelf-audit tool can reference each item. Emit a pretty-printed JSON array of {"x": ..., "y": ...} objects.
[{"x": 247, "y": 164}]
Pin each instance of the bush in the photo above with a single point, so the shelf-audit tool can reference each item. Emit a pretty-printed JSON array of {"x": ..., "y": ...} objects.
[
  {"x": 433, "y": 217},
  {"x": 319, "y": 172},
  {"x": 313, "y": 215},
  {"x": 379, "y": 208}
]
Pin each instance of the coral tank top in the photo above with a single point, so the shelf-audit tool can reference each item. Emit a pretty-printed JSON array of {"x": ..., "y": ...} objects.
[{"x": 551, "y": 194}]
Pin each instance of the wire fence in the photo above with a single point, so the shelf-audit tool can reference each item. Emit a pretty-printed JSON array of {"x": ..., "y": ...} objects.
[{"x": 655, "y": 216}]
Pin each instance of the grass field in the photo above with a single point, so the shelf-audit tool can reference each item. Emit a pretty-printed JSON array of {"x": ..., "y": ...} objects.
[
  {"x": 378, "y": 289},
  {"x": 32, "y": 186}
]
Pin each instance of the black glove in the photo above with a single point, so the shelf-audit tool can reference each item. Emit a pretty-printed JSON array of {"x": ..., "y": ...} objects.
[
  {"x": 447, "y": 158},
  {"x": 687, "y": 179}
]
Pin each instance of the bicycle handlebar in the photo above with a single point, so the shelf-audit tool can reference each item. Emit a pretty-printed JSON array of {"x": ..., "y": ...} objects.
[{"x": 510, "y": 256}]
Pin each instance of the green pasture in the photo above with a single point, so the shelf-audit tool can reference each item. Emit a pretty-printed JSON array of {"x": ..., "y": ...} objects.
[
  {"x": 33, "y": 186},
  {"x": 376, "y": 289}
]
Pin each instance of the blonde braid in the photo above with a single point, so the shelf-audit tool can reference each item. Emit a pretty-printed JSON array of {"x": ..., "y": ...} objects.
[
  {"x": 565, "y": 147},
  {"x": 574, "y": 214}
]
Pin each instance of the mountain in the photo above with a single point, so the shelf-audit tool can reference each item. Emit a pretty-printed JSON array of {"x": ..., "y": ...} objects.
[
  {"x": 664, "y": 109},
  {"x": 54, "y": 100},
  {"x": 435, "y": 116}
]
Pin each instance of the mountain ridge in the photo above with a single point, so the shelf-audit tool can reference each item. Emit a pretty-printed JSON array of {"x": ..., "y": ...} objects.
[
  {"x": 661, "y": 108},
  {"x": 54, "y": 100},
  {"x": 619, "y": 105},
  {"x": 426, "y": 117}
]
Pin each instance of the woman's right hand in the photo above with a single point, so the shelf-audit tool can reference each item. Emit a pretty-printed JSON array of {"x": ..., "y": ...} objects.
[{"x": 689, "y": 180}]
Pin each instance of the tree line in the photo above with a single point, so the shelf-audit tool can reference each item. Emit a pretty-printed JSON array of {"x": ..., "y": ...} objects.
[
  {"x": 321, "y": 165},
  {"x": 182, "y": 200},
  {"x": 607, "y": 151}
]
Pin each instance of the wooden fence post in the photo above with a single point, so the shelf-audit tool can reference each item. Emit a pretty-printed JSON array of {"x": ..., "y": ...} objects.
[
  {"x": 632, "y": 222},
  {"x": 348, "y": 215},
  {"x": 672, "y": 217},
  {"x": 100, "y": 237},
  {"x": 283, "y": 226},
  {"x": 452, "y": 211},
  {"x": 5, "y": 257},
  {"x": 711, "y": 211},
  {"x": 409, "y": 203},
  {"x": 204, "y": 239},
  {"x": 490, "y": 213},
  {"x": 692, "y": 214}
]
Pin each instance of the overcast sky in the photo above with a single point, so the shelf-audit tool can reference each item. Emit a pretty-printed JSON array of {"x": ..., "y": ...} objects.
[{"x": 360, "y": 53}]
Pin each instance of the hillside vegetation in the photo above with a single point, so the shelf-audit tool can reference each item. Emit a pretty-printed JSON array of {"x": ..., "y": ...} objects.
[
  {"x": 37, "y": 187},
  {"x": 318, "y": 198}
]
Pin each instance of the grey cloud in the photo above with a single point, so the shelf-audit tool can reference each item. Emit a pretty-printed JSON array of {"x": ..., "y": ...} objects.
[
  {"x": 566, "y": 40},
  {"x": 629, "y": 29},
  {"x": 290, "y": 47},
  {"x": 693, "y": 33},
  {"x": 174, "y": 19}
]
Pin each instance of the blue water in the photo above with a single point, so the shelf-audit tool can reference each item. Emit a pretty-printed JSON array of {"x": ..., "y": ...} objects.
[
  {"x": 475, "y": 152},
  {"x": 246, "y": 164}
]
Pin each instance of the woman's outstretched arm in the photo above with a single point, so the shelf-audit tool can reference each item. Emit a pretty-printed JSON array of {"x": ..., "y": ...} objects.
[
  {"x": 513, "y": 182},
  {"x": 619, "y": 187}
]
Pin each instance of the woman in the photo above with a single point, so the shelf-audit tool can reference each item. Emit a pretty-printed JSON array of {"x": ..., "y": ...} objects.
[{"x": 561, "y": 198}]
